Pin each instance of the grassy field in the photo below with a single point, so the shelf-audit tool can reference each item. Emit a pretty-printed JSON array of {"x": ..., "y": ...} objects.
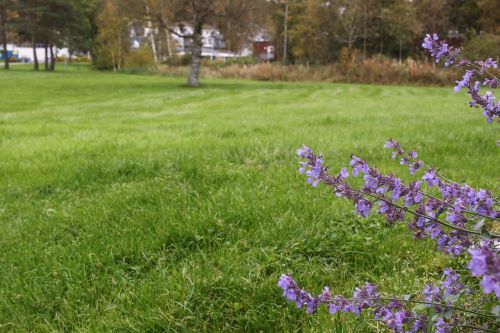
[{"x": 131, "y": 203}]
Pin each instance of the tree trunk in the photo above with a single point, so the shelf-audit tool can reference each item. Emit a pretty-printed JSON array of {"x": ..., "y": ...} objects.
[
  {"x": 364, "y": 35},
  {"x": 169, "y": 47},
  {"x": 3, "y": 17},
  {"x": 119, "y": 63},
  {"x": 113, "y": 60},
  {"x": 400, "y": 49},
  {"x": 46, "y": 64},
  {"x": 52, "y": 58},
  {"x": 164, "y": 25},
  {"x": 152, "y": 36},
  {"x": 194, "y": 73},
  {"x": 36, "y": 66},
  {"x": 5, "y": 51},
  {"x": 285, "y": 34}
]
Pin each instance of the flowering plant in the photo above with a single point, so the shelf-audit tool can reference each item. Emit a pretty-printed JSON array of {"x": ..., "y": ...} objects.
[
  {"x": 473, "y": 69},
  {"x": 455, "y": 216}
]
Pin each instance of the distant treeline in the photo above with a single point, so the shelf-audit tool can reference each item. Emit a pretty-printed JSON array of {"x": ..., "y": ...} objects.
[{"x": 302, "y": 31}]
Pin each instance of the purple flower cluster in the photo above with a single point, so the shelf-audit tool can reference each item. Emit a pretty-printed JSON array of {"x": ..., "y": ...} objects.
[
  {"x": 439, "y": 49},
  {"x": 486, "y": 263},
  {"x": 396, "y": 313},
  {"x": 409, "y": 159},
  {"x": 313, "y": 172},
  {"x": 446, "y": 292},
  {"x": 486, "y": 101},
  {"x": 453, "y": 215},
  {"x": 460, "y": 199},
  {"x": 293, "y": 293}
]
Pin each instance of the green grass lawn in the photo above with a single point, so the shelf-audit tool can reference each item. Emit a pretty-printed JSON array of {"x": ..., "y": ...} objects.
[{"x": 131, "y": 203}]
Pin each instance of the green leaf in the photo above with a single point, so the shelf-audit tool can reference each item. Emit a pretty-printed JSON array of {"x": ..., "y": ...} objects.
[{"x": 420, "y": 307}]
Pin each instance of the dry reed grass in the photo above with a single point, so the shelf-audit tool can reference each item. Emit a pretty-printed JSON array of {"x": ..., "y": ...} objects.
[{"x": 371, "y": 71}]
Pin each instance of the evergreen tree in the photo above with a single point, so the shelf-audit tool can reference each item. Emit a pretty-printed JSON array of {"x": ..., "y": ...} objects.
[
  {"x": 403, "y": 23},
  {"x": 5, "y": 6},
  {"x": 53, "y": 23}
]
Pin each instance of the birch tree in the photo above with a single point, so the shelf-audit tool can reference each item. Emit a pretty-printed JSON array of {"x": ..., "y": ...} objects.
[
  {"x": 233, "y": 18},
  {"x": 112, "y": 38}
]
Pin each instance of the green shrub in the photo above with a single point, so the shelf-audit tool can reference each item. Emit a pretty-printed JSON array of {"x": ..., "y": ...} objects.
[
  {"x": 141, "y": 58},
  {"x": 80, "y": 59},
  {"x": 482, "y": 46},
  {"x": 102, "y": 59},
  {"x": 179, "y": 60}
]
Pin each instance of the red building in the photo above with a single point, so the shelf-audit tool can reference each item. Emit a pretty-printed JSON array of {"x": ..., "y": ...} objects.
[{"x": 264, "y": 50}]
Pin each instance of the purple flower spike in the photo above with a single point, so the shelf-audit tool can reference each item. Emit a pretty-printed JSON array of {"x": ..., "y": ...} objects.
[
  {"x": 465, "y": 80},
  {"x": 398, "y": 314},
  {"x": 439, "y": 49},
  {"x": 446, "y": 219},
  {"x": 294, "y": 294},
  {"x": 485, "y": 262}
]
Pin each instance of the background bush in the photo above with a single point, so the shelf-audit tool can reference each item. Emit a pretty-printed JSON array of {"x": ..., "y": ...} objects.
[
  {"x": 482, "y": 46},
  {"x": 141, "y": 58}
]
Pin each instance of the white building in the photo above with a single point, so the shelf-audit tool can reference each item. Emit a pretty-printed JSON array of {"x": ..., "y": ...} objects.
[
  {"x": 26, "y": 52},
  {"x": 213, "y": 44}
]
